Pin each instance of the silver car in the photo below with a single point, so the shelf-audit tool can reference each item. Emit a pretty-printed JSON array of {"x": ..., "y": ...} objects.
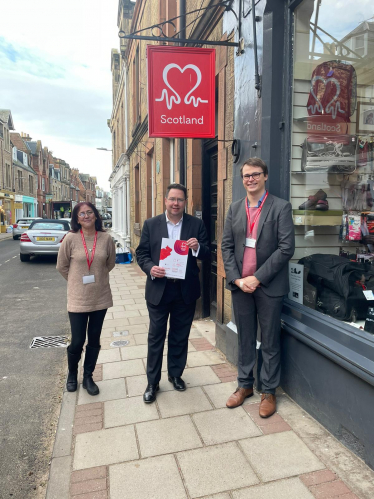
[
  {"x": 22, "y": 225},
  {"x": 44, "y": 237}
]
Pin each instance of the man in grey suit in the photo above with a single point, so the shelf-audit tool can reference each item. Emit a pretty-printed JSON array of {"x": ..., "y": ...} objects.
[{"x": 258, "y": 241}]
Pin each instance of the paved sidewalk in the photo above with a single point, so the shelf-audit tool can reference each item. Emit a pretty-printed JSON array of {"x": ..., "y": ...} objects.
[
  {"x": 5, "y": 235},
  {"x": 187, "y": 444}
]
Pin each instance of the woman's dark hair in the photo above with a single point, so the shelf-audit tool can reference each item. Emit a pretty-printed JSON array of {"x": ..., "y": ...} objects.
[{"x": 76, "y": 226}]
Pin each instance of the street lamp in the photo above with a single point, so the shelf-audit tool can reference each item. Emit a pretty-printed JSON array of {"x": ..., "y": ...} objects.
[{"x": 104, "y": 149}]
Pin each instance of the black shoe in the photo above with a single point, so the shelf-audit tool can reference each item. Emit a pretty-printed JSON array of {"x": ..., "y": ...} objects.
[
  {"x": 88, "y": 368},
  {"x": 178, "y": 383},
  {"x": 90, "y": 386},
  {"x": 150, "y": 393},
  {"x": 73, "y": 360},
  {"x": 72, "y": 381}
]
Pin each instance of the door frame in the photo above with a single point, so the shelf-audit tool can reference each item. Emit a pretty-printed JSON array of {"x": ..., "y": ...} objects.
[{"x": 208, "y": 145}]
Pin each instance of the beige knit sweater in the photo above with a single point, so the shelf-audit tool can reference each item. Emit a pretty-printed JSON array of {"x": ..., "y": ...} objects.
[{"x": 72, "y": 265}]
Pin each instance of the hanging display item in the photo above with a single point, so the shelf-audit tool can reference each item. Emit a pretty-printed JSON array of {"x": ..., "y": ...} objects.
[
  {"x": 329, "y": 153},
  {"x": 333, "y": 90}
]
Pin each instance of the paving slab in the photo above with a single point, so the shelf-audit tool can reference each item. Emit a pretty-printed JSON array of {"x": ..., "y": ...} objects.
[
  {"x": 292, "y": 488},
  {"x": 59, "y": 478},
  {"x": 280, "y": 455},
  {"x": 109, "y": 390},
  {"x": 167, "y": 435},
  {"x": 180, "y": 403},
  {"x": 103, "y": 447},
  {"x": 112, "y": 355},
  {"x": 115, "y": 322},
  {"x": 127, "y": 411},
  {"x": 225, "y": 425},
  {"x": 199, "y": 376},
  {"x": 204, "y": 358},
  {"x": 156, "y": 478},
  {"x": 349, "y": 467},
  {"x": 123, "y": 368},
  {"x": 135, "y": 329},
  {"x": 106, "y": 343},
  {"x": 219, "y": 468},
  {"x": 64, "y": 434},
  {"x": 141, "y": 339},
  {"x": 225, "y": 495},
  {"x": 134, "y": 352},
  {"x": 138, "y": 320},
  {"x": 219, "y": 393}
]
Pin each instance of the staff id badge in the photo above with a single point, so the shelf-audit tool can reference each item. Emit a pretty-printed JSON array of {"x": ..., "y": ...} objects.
[
  {"x": 88, "y": 279},
  {"x": 250, "y": 242}
]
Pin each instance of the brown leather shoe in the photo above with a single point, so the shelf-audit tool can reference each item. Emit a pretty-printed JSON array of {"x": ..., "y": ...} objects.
[
  {"x": 238, "y": 397},
  {"x": 267, "y": 405}
]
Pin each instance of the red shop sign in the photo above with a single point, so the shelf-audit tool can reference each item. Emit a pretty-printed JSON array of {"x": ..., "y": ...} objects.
[{"x": 181, "y": 92}]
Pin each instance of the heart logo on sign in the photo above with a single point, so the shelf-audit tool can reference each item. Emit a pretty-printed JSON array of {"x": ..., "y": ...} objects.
[
  {"x": 329, "y": 108},
  {"x": 176, "y": 97}
]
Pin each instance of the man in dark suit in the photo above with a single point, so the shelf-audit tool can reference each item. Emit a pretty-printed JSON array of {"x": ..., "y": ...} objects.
[
  {"x": 170, "y": 297},
  {"x": 258, "y": 241}
]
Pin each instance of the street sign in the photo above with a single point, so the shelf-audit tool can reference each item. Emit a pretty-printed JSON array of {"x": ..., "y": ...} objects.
[{"x": 181, "y": 92}]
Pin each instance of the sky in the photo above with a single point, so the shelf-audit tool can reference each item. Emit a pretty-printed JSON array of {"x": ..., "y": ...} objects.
[{"x": 55, "y": 76}]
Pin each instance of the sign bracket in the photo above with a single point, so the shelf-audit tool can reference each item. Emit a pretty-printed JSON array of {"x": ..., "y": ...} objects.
[{"x": 158, "y": 34}]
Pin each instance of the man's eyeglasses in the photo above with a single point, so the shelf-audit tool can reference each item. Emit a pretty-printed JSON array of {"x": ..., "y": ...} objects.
[
  {"x": 176, "y": 200},
  {"x": 83, "y": 214},
  {"x": 255, "y": 176}
]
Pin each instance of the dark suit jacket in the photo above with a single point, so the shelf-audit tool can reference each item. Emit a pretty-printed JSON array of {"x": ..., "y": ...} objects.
[
  {"x": 275, "y": 244},
  {"x": 148, "y": 255}
]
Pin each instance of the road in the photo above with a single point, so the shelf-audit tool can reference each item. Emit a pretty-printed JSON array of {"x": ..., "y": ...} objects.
[{"x": 32, "y": 303}]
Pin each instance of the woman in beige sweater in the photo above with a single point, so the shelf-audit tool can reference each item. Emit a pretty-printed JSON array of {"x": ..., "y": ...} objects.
[{"x": 86, "y": 256}]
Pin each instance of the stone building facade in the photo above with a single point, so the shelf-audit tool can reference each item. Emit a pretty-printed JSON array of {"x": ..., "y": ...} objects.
[
  {"x": 151, "y": 164},
  {"x": 7, "y": 212}
]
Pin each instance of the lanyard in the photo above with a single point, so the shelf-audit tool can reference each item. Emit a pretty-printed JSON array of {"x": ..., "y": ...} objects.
[
  {"x": 89, "y": 263},
  {"x": 257, "y": 214}
]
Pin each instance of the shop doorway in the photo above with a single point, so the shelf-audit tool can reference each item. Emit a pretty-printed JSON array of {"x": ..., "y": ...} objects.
[{"x": 210, "y": 176}]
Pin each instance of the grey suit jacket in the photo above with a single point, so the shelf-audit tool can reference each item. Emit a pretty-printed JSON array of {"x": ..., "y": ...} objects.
[{"x": 275, "y": 244}]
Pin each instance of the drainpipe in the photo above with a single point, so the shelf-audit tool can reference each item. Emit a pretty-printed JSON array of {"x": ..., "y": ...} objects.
[{"x": 182, "y": 34}]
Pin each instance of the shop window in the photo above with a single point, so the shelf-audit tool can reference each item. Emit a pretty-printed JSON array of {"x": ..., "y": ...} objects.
[
  {"x": 332, "y": 164},
  {"x": 8, "y": 176},
  {"x": 136, "y": 90},
  {"x": 20, "y": 180},
  {"x": 137, "y": 194}
]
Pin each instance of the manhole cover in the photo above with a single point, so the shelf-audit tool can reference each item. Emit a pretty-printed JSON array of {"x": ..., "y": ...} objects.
[
  {"x": 120, "y": 333},
  {"x": 49, "y": 341},
  {"x": 119, "y": 343}
]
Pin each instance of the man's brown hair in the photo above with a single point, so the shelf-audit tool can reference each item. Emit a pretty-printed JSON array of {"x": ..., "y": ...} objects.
[{"x": 255, "y": 162}]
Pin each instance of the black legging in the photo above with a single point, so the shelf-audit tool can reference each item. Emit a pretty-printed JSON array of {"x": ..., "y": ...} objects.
[{"x": 78, "y": 322}]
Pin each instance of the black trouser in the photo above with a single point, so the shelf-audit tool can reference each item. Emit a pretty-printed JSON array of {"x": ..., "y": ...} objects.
[
  {"x": 247, "y": 308},
  {"x": 78, "y": 323},
  {"x": 181, "y": 317}
]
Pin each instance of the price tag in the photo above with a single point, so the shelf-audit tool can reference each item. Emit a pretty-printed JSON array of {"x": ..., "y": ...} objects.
[{"x": 369, "y": 294}]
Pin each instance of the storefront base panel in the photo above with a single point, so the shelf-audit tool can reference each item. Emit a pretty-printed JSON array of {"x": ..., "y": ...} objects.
[
  {"x": 340, "y": 400},
  {"x": 227, "y": 342}
]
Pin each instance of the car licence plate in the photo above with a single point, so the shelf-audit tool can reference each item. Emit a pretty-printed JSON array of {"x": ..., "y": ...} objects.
[
  {"x": 24, "y": 226},
  {"x": 45, "y": 238}
]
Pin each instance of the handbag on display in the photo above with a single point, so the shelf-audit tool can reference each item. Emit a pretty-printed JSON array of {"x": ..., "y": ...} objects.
[
  {"x": 333, "y": 90},
  {"x": 330, "y": 153}
]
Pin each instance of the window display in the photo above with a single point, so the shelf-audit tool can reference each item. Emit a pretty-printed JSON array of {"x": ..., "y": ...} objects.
[{"x": 332, "y": 166}]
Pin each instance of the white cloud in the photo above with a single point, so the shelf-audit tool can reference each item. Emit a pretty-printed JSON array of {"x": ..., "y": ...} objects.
[{"x": 56, "y": 79}]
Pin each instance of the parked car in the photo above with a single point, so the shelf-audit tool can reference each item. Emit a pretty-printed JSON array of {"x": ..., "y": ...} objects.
[
  {"x": 44, "y": 237},
  {"x": 66, "y": 220},
  {"x": 22, "y": 225}
]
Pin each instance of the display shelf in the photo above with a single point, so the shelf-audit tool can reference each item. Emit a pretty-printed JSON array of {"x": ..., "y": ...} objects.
[{"x": 317, "y": 218}]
